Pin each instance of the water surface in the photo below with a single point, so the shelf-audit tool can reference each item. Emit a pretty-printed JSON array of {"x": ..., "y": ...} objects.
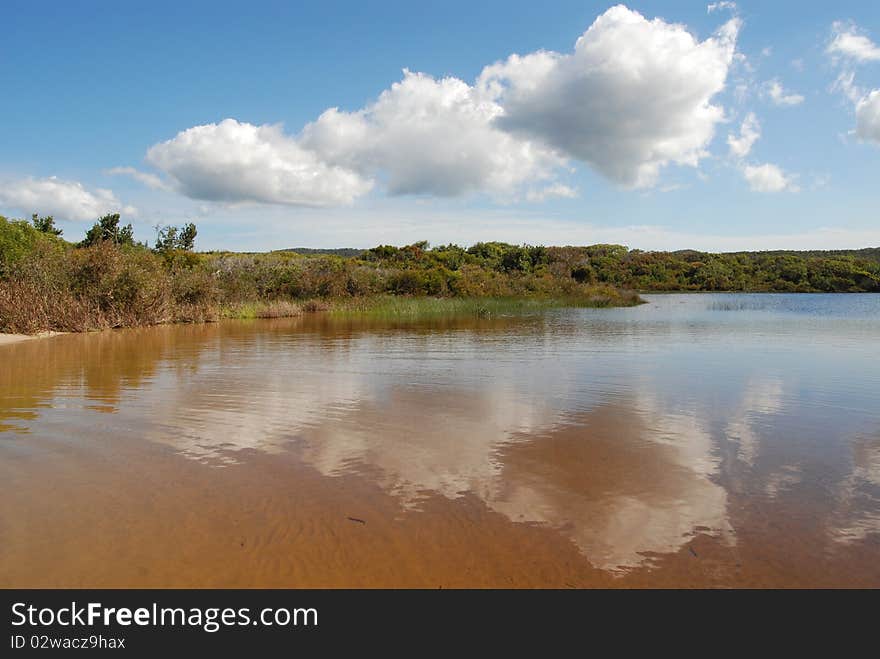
[{"x": 698, "y": 440}]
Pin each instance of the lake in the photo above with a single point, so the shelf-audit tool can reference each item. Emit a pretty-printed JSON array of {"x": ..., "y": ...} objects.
[{"x": 697, "y": 440}]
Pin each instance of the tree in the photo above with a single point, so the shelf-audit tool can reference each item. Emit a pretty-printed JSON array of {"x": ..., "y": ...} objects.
[
  {"x": 107, "y": 228},
  {"x": 46, "y": 225},
  {"x": 382, "y": 252},
  {"x": 171, "y": 238},
  {"x": 166, "y": 238},
  {"x": 186, "y": 240},
  {"x": 516, "y": 258}
]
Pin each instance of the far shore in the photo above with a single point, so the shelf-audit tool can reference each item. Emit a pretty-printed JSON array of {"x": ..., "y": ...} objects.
[{"x": 6, "y": 339}]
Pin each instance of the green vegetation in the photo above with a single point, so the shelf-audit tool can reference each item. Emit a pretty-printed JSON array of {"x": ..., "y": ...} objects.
[
  {"x": 45, "y": 225},
  {"x": 109, "y": 280},
  {"x": 20, "y": 241},
  {"x": 107, "y": 229},
  {"x": 841, "y": 271},
  {"x": 396, "y": 306},
  {"x": 169, "y": 239}
]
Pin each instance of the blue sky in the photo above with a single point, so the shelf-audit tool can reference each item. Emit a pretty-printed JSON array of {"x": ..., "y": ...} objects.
[{"x": 212, "y": 112}]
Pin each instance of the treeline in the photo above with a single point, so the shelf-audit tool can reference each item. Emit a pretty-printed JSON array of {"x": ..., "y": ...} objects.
[
  {"x": 110, "y": 280},
  {"x": 838, "y": 271},
  {"x": 687, "y": 270}
]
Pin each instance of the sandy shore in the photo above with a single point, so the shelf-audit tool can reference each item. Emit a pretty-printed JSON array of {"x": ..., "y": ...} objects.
[{"x": 15, "y": 338}]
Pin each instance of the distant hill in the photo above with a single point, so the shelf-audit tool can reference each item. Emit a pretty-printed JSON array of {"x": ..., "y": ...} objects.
[
  {"x": 345, "y": 252},
  {"x": 845, "y": 270},
  {"x": 867, "y": 253}
]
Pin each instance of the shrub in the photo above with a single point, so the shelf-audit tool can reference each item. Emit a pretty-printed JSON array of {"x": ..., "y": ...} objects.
[
  {"x": 128, "y": 284},
  {"x": 19, "y": 239}
]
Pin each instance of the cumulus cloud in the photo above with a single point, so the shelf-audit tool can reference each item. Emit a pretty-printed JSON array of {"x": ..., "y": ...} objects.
[
  {"x": 237, "y": 162},
  {"x": 779, "y": 96},
  {"x": 749, "y": 132},
  {"x": 150, "y": 180},
  {"x": 868, "y": 117},
  {"x": 768, "y": 178},
  {"x": 66, "y": 200},
  {"x": 634, "y": 96},
  {"x": 430, "y": 136},
  {"x": 847, "y": 41}
]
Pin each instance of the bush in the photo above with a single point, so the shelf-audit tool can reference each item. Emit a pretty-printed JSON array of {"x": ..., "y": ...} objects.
[
  {"x": 19, "y": 239},
  {"x": 128, "y": 284},
  {"x": 82, "y": 289}
]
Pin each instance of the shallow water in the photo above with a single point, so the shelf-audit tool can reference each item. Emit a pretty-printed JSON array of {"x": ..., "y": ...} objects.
[{"x": 698, "y": 440}]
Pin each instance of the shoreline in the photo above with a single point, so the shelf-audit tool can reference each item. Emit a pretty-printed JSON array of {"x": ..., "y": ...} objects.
[
  {"x": 381, "y": 306},
  {"x": 8, "y": 339}
]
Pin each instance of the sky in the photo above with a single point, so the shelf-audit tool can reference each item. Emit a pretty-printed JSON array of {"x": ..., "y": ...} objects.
[{"x": 658, "y": 125}]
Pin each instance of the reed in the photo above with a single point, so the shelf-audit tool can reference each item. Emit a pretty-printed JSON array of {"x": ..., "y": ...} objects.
[{"x": 389, "y": 306}]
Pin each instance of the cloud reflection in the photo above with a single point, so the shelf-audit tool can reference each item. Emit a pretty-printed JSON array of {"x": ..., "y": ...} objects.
[{"x": 623, "y": 480}]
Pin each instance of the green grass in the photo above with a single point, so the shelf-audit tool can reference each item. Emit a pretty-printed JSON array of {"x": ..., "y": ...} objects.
[
  {"x": 395, "y": 307},
  {"x": 389, "y": 306},
  {"x": 274, "y": 309}
]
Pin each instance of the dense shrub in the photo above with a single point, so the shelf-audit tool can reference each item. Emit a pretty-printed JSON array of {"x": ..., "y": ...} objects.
[{"x": 19, "y": 239}]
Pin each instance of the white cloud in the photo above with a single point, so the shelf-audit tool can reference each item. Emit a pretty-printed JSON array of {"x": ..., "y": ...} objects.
[
  {"x": 718, "y": 6},
  {"x": 768, "y": 178},
  {"x": 65, "y": 200},
  {"x": 430, "y": 136},
  {"x": 845, "y": 84},
  {"x": 240, "y": 162},
  {"x": 847, "y": 41},
  {"x": 761, "y": 178},
  {"x": 634, "y": 96},
  {"x": 555, "y": 191},
  {"x": 779, "y": 96},
  {"x": 868, "y": 117},
  {"x": 749, "y": 133},
  {"x": 150, "y": 180}
]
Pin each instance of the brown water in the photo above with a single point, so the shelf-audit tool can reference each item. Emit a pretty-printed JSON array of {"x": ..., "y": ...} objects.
[{"x": 696, "y": 441}]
